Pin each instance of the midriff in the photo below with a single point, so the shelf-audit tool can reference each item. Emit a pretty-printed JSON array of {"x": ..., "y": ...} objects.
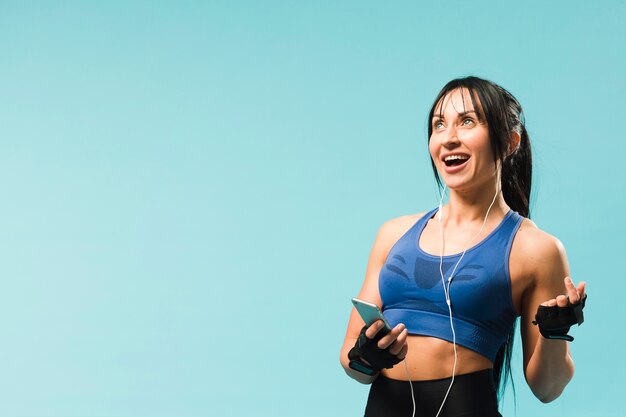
[{"x": 432, "y": 358}]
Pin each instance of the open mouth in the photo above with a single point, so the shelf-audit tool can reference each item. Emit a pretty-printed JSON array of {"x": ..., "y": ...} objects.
[{"x": 455, "y": 160}]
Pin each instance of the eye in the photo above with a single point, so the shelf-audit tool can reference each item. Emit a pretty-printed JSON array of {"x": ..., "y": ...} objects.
[
  {"x": 438, "y": 124},
  {"x": 468, "y": 121}
]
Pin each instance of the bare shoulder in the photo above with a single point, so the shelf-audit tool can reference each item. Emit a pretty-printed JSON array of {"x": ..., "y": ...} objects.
[
  {"x": 536, "y": 244},
  {"x": 537, "y": 253},
  {"x": 392, "y": 230}
]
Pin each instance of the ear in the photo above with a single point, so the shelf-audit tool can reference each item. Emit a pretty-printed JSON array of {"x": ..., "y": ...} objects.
[{"x": 514, "y": 141}]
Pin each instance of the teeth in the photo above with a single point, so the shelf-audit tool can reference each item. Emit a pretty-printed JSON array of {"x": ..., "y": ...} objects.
[{"x": 453, "y": 157}]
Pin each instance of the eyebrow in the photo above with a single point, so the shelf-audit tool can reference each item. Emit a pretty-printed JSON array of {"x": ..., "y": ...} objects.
[{"x": 461, "y": 114}]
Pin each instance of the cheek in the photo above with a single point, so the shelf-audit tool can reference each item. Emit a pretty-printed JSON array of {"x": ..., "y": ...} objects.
[{"x": 487, "y": 164}]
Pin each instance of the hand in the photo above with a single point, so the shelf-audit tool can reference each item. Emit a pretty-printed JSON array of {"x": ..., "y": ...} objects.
[
  {"x": 375, "y": 350},
  {"x": 555, "y": 317},
  {"x": 574, "y": 294},
  {"x": 395, "y": 340}
]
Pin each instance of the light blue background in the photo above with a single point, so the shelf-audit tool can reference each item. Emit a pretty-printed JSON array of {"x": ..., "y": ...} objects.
[{"x": 190, "y": 190}]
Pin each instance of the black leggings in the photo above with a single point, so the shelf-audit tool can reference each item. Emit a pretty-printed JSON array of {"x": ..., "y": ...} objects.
[{"x": 472, "y": 395}]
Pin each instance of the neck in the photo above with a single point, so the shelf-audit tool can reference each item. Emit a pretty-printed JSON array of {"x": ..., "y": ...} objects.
[{"x": 470, "y": 207}]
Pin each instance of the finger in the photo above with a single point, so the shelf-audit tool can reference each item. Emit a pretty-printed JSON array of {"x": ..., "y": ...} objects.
[
  {"x": 402, "y": 354},
  {"x": 549, "y": 303},
  {"x": 572, "y": 292},
  {"x": 562, "y": 301},
  {"x": 581, "y": 288},
  {"x": 399, "y": 343},
  {"x": 371, "y": 331},
  {"x": 390, "y": 337}
]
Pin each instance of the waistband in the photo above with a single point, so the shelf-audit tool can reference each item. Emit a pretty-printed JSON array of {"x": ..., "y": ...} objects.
[{"x": 472, "y": 394}]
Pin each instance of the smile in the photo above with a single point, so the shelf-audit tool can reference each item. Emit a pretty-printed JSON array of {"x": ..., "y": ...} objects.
[{"x": 454, "y": 162}]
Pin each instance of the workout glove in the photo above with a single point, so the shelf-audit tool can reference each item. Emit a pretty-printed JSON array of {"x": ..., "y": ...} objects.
[
  {"x": 367, "y": 358},
  {"x": 555, "y": 322}
]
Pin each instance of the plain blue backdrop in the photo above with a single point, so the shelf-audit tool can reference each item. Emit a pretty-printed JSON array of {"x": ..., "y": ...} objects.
[{"x": 190, "y": 190}]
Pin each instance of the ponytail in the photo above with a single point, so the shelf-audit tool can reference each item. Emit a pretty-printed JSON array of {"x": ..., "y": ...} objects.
[{"x": 517, "y": 175}]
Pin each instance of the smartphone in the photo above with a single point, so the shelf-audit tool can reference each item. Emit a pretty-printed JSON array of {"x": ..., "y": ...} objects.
[{"x": 370, "y": 313}]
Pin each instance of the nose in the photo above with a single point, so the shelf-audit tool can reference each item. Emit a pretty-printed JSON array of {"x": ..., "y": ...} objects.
[{"x": 450, "y": 139}]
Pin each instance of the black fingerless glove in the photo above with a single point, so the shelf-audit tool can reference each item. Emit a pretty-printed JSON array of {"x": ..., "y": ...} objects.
[
  {"x": 367, "y": 358},
  {"x": 555, "y": 322}
]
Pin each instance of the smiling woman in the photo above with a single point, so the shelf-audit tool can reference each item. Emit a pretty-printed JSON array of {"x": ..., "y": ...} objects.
[
  {"x": 455, "y": 124},
  {"x": 451, "y": 282}
]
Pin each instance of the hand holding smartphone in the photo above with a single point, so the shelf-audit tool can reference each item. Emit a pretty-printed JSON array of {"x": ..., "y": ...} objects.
[{"x": 366, "y": 356}]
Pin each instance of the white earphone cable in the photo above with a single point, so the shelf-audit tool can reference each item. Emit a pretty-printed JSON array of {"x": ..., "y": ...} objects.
[
  {"x": 408, "y": 375},
  {"x": 446, "y": 289}
]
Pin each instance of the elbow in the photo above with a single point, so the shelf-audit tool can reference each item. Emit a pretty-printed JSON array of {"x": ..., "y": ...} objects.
[
  {"x": 548, "y": 392},
  {"x": 550, "y": 397}
]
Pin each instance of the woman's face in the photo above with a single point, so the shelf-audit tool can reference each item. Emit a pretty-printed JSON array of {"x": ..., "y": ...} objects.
[{"x": 459, "y": 144}]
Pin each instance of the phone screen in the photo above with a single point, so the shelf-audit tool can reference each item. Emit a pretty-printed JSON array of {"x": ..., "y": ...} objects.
[{"x": 370, "y": 312}]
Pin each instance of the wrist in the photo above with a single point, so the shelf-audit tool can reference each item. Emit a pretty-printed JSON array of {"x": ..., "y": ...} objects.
[{"x": 360, "y": 377}]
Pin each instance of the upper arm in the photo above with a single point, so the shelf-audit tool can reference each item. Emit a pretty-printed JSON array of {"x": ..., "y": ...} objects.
[
  {"x": 378, "y": 255},
  {"x": 386, "y": 237},
  {"x": 544, "y": 268}
]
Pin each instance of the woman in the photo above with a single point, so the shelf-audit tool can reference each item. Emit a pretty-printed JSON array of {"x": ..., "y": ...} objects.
[{"x": 452, "y": 281}]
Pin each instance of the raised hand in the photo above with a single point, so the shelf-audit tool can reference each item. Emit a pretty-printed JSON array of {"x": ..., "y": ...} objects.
[{"x": 556, "y": 316}]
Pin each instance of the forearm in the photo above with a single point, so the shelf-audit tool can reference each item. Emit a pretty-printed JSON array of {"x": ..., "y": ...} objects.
[{"x": 549, "y": 369}]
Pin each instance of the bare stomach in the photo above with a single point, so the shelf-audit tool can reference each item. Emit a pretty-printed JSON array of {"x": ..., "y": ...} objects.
[{"x": 432, "y": 358}]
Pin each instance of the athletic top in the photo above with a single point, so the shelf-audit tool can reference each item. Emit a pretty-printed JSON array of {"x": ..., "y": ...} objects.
[{"x": 482, "y": 306}]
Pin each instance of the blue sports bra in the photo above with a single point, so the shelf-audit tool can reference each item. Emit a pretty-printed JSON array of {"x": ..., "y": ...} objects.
[{"x": 482, "y": 306}]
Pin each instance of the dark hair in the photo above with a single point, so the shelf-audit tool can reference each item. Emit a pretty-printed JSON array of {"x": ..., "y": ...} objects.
[{"x": 503, "y": 115}]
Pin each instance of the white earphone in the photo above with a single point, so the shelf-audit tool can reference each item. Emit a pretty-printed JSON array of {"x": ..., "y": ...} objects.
[{"x": 446, "y": 290}]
